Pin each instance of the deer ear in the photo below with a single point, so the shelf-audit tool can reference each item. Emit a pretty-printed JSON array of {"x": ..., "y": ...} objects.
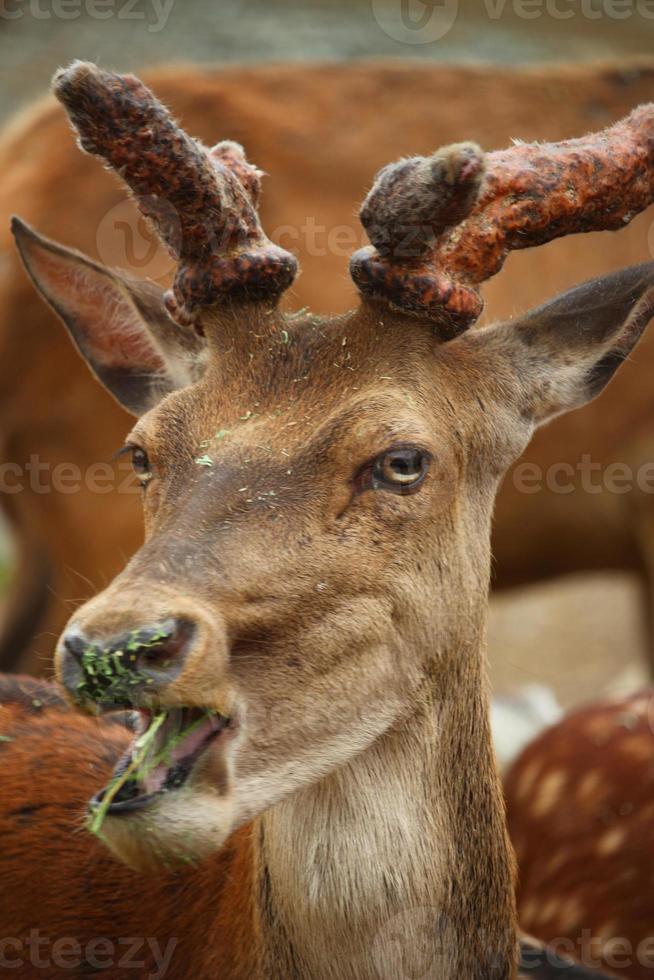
[
  {"x": 565, "y": 352},
  {"x": 120, "y": 326}
]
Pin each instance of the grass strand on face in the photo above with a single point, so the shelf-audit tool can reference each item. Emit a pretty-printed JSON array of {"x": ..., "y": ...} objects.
[{"x": 141, "y": 747}]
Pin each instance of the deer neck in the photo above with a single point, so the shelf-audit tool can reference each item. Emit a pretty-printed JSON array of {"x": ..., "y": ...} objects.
[{"x": 396, "y": 865}]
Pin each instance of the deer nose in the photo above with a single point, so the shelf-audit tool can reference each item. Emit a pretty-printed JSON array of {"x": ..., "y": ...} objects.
[{"x": 121, "y": 670}]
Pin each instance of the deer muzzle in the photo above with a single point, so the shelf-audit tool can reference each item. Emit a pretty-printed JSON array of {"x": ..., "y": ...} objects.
[{"x": 169, "y": 665}]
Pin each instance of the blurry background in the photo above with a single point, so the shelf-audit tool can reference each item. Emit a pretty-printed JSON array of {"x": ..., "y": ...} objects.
[
  {"x": 582, "y": 635},
  {"x": 127, "y": 34}
]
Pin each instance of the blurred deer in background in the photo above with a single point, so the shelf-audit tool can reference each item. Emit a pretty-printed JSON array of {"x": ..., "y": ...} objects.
[
  {"x": 305, "y": 621},
  {"x": 581, "y": 816},
  {"x": 313, "y": 126}
]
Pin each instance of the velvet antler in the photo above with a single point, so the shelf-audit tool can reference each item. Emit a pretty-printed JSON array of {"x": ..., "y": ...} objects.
[
  {"x": 441, "y": 225},
  {"x": 202, "y": 202}
]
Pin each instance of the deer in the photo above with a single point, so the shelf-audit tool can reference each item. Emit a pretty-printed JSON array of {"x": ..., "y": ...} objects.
[
  {"x": 305, "y": 781},
  {"x": 69, "y": 544},
  {"x": 580, "y": 807}
]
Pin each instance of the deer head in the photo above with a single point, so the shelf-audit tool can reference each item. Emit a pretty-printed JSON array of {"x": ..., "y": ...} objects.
[{"x": 318, "y": 493}]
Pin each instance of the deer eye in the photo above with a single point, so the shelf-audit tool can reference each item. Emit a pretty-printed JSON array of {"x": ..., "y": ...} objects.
[
  {"x": 141, "y": 464},
  {"x": 400, "y": 470}
]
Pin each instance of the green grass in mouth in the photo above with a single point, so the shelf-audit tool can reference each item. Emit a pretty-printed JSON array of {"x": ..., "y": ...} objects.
[
  {"x": 132, "y": 772},
  {"x": 142, "y": 763}
]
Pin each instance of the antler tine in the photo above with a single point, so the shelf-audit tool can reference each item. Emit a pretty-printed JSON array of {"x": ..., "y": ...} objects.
[
  {"x": 202, "y": 202},
  {"x": 440, "y": 226}
]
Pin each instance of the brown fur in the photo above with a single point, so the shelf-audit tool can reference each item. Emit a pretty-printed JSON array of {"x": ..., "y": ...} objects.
[
  {"x": 82, "y": 892},
  {"x": 77, "y": 889},
  {"x": 312, "y": 416},
  {"x": 284, "y": 114},
  {"x": 337, "y": 622}
]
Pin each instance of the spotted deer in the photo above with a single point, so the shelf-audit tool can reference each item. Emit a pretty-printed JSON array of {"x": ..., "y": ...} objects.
[
  {"x": 581, "y": 812},
  {"x": 301, "y": 637}
]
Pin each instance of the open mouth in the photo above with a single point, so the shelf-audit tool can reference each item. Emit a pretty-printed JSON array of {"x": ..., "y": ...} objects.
[{"x": 160, "y": 759}]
